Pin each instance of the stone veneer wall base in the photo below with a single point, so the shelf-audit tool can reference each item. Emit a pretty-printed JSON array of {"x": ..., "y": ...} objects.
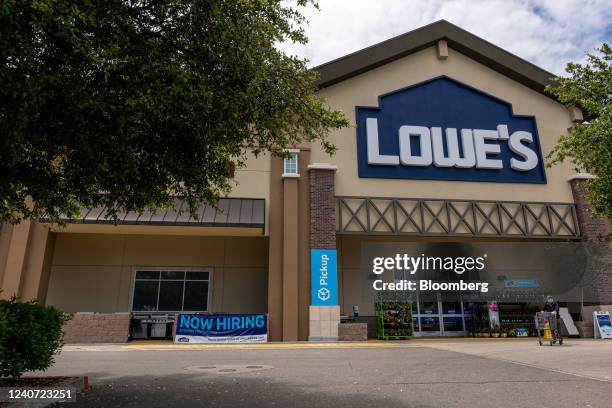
[{"x": 97, "y": 328}]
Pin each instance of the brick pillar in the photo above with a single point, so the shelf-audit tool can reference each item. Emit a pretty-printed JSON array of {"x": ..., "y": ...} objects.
[
  {"x": 324, "y": 312},
  {"x": 322, "y": 207},
  {"x": 594, "y": 229},
  {"x": 598, "y": 282}
]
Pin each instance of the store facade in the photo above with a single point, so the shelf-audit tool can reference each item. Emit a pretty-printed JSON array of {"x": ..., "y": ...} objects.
[{"x": 447, "y": 143}]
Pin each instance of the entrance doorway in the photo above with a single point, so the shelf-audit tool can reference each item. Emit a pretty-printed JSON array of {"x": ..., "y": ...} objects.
[{"x": 440, "y": 315}]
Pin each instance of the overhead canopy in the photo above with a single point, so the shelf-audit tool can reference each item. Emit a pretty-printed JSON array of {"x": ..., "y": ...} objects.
[{"x": 230, "y": 212}]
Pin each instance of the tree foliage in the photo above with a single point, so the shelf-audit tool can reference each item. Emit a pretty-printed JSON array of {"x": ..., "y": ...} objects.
[
  {"x": 127, "y": 104},
  {"x": 589, "y": 144},
  {"x": 30, "y": 336}
]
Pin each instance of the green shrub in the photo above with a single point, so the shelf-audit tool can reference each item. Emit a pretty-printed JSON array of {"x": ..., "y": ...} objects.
[{"x": 30, "y": 336}]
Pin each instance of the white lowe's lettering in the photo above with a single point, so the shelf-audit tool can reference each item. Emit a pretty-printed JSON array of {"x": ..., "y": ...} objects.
[{"x": 478, "y": 147}]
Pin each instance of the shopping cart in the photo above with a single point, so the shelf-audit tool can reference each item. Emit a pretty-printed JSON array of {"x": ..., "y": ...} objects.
[{"x": 547, "y": 326}]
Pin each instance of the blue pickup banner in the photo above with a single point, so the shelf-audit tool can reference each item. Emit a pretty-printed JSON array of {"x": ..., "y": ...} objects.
[
  {"x": 221, "y": 328},
  {"x": 324, "y": 277}
]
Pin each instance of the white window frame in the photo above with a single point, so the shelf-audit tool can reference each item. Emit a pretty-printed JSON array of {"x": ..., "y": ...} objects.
[
  {"x": 170, "y": 269},
  {"x": 294, "y": 155}
]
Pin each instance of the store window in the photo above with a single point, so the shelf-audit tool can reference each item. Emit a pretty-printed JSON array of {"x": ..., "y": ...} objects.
[
  {"x": 290, "y": 164},
  {"x": 171, "y": 290}
]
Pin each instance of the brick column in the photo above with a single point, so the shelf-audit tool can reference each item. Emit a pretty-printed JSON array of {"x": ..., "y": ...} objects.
[
  {"x": 598, "y": 281},
  {"x": 322, "y": 207},
  {"x": 594, "y": 229},
  {"x": 324, "y": 310}
]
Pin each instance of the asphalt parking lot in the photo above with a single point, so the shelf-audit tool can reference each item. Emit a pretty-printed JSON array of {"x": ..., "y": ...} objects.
[{"x": 411, "y": 374}]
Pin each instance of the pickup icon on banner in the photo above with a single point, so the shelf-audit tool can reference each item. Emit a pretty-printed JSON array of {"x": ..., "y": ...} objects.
[{"x": 324, "y": 277}]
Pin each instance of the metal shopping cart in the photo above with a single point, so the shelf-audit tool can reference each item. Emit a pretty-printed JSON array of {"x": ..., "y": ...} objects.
[{"x": 548, "y": 328}]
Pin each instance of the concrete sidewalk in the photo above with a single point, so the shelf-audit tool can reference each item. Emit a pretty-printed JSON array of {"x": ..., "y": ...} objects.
[
  {"x": 581, "y": 357},
  {"x": 417, "y": 373},
  {"x": 585, "y": 358}
]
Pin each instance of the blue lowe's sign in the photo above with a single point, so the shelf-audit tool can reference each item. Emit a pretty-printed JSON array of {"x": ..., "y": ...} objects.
[
  {"x": 442, "y": 129},
  {"x": 221, "y": 328},
  {"x": 324, "y": 277}
]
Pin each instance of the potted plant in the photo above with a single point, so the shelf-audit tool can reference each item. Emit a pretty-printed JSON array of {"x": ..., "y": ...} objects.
[
  {"x": 486, "y": 332},
  {"x": 512, "y": 332},
  {"x": 504, "y": 332},
  {"x": 495, "y": 331}
]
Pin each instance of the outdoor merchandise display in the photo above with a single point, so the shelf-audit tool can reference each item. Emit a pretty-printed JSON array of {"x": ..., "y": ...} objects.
[{"x": 393, "y": 317}]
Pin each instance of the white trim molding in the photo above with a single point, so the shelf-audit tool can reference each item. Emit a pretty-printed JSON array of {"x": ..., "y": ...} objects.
[
  {"x": 581, "y": 176},
  {"x": 322, "y": 166}
]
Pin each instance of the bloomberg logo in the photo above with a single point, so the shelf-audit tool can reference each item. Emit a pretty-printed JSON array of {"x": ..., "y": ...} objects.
[{"x": 442, "y": 129}]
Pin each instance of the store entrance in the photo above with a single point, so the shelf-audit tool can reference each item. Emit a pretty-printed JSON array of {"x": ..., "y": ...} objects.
[{"x": 440, "y": 315}]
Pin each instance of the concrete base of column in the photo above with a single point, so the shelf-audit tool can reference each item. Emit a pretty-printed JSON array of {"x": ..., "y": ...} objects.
[{"x": 324, "y": 321}]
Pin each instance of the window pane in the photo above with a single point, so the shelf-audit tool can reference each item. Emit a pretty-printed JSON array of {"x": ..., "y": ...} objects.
[
  {"x": 290, "y": 164},
  {"x": 451, "y": 307},
  {"x": 197, "y": 275},
  {"x": 430, "y": 323},
  {"x": 196, "y": 296},
  {"x": 452, "y": 323},
  {"x": 173, "y": 275},
  {"x": 145, "y": 295},
  {"x": 147, "y": 274},
  {"x": 170, "y": 296}
]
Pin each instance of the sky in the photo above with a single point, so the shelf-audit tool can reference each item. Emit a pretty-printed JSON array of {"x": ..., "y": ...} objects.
[{"x": 547, "y": 33}]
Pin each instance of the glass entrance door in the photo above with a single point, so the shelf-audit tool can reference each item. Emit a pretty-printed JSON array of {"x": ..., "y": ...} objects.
[
  {"x": 429, "y": 314},
  {"x": 453, "y": 321},
  {"x": 440, "y": 315}
]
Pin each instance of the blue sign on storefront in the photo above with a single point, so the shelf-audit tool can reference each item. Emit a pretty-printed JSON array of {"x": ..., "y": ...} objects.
[
  {"x": 442, "y": 129},
  {"x": 221, "y": 328},
  {"x": 324, "y": 277},
  {"x": 522, "y": 283}
]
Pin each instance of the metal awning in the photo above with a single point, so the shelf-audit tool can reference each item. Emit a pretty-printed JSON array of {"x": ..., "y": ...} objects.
[{"x": 230, "y": 212}]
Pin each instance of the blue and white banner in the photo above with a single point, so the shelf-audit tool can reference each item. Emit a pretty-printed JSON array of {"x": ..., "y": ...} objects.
[
  {"x": 221, "y": 328},
  {"x": 324, "y": 277},
  {"x": 442, "y": 129},
  {"x": 603, "y": 325}
]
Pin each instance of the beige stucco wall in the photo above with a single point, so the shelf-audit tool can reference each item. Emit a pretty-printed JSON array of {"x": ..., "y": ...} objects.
[
  {"x": 551, "y": 117},
  {"x": 94, "y": 272},
  {"x": 253, "y": 180}
]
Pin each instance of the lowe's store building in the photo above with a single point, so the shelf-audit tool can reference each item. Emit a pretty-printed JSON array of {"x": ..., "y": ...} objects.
[{"x": 445, "y": 155}]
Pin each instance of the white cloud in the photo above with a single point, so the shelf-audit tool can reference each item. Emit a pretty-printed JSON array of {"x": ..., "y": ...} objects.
[{"x": 548, "y": 33}]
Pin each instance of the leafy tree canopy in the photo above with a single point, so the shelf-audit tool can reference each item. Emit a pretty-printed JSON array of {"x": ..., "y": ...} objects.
[
  {"x": 589, "y": 145},
  {"x": 127, "y": 104}
]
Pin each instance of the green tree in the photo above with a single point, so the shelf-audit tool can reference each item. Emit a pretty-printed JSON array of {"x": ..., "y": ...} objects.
[
  {"x": 127, "y": 104},
  {"x": 589, "y": 144}
]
